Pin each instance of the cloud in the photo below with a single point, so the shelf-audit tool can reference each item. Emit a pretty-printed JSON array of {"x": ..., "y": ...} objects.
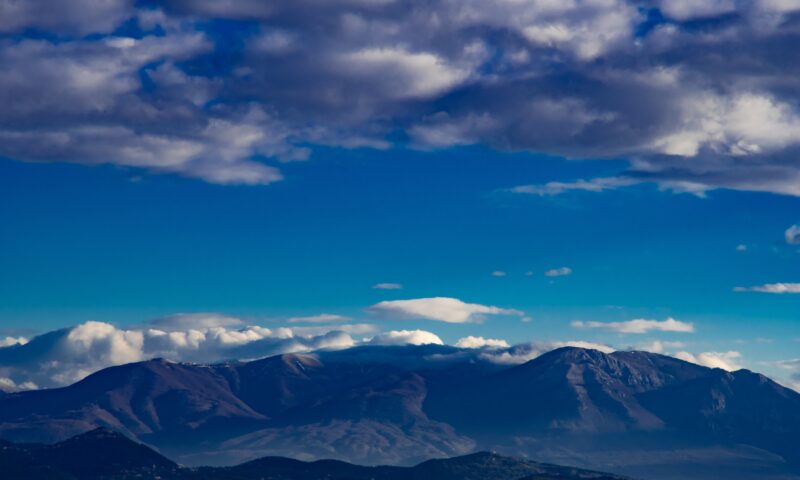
[
  {"x": 639, "y": 326},
  {"x": 741, "y": 247},
  {"x": 480, "y": 342},
  {"x": 659, "y": 346},
  {"x": 792, "y": 235},
  {"x": 558, "y": 272},
  {"x": 526, "y": 352},
  {"x": 387, "y": 286},
  {"x": 792, "y": 364},
  {"x": 793, "y": 367},
  {"x": 8, "y": 341},
  {"x": 404, "y": 74},
  {"x": 779, "y": 288},
  {"x": 593, "y": 185},
  {"x": 321, "y": 318},
  {"x": 595, "y": 80},
  {"x": 406, "y": 337},
  {"x": 65, "y": 356},
  {"x": 725, "y": 360},
  {"x": 498, "y": 273},
  {"x": 442, "y": 309},
  {"x": 79, "y": 17},
  {"x": 7, "y": 385}
]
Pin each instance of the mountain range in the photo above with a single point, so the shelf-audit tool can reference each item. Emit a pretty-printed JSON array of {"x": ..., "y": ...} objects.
[
  {"x": 633, "y": 413},
  {"x": 103, "y": 454}
]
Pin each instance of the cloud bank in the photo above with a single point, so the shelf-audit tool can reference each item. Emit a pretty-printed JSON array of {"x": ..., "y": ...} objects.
[
  {"x": 480, "y": 342},
  {"x": 695, "y": 95}
]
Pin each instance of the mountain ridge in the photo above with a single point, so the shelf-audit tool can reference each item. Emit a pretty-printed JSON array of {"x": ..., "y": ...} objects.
[
  {"x": 103, "y": 454},
  {"x": 401, "y": 405}
]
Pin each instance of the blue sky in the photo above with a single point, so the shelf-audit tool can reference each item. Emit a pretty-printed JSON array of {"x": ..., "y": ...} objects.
[
  {"x": 159, "y": 158},
  {"x": 105, "y": 244}
]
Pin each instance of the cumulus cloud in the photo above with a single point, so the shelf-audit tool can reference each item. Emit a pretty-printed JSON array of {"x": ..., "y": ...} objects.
[
  {"x": 779, "y": 288},
  {"x": 558, "y": 272},
  {"x": 387, "y": 286},
  {"x": 639, "y": 326},
  {"x": 792, "y": 235},
  {"x": 353, "y": 73},
  {"x": 65, "y": 356},
  {"x": 442, "y": 309},
  {"x": 480, "y": 342},
  {"x": 406, "y": 337},
  {"x": 725, "y": 360},
  {"x": 498, "y": 273}
]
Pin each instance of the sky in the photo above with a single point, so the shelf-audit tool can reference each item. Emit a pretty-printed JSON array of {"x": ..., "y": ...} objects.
[{"x": 202, "y": 180}]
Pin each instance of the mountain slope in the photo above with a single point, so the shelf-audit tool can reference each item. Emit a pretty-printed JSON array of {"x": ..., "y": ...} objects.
[
  {"x": 158, "y": 399},
  {"x": 630, "y": 412}
]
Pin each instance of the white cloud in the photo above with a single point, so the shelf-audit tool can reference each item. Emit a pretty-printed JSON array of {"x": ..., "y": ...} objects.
[
  {"x": 443, "y": 309},
  {"x": 480, "y": 342},
  {"x": 558, "y": 272},
  {"x": 8, "y": 385},
  {"x": 792, "y": 235},
  {"x": 65, "y": 356},
  {"x": 404, "y": 73},
  {"x": 741, "y": 247},
  {"x": 387, "y": 286},
  {"x": 659, "y": 346},
  {"x": 725, "y": 360},
  {"x": 406, "y": 337},
  {"x": 105, "y": 343},
  {"x": 594, "y": 185},
  {"x": 740, "y": 125},
  {"x": 639, "y": 325},
  {"x": 321, "y": 318},
  {"x": 498, "y": 273},
  {"x": 771, "y": 288},
  {"x": 8, "y": 341}
]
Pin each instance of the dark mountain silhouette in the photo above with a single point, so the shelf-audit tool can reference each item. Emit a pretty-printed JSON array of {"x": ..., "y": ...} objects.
[
  {"x": 97, "y": 454},
  {"x": 631, "y": 412},
  {"x": 102, "y": 454}
]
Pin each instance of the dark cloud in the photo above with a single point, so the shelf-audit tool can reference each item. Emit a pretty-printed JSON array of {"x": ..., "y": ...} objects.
[
  {"x": 73, "y": 17},
  {"x": 697, "y": 94}
]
